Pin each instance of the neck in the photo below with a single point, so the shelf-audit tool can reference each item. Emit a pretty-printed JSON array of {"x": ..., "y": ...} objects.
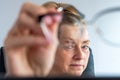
[{"x": 55, "y": 72}]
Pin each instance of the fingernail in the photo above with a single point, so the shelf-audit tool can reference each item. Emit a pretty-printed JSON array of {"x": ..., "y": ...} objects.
[
  {"x": 47, "y": 20},
  {"x": 57, "y": 17}
]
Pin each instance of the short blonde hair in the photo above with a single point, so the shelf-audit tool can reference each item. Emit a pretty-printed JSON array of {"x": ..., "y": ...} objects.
[{"x": 71, "y": 15}]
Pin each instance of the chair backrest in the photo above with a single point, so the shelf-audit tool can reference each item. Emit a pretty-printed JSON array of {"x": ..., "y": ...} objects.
[
  {"x": 2, "y": 64},
  {"x": 89, "y": 71}
]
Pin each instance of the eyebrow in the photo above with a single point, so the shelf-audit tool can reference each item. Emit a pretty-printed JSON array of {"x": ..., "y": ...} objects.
[
  {"x": 86, "y": 41},
  {"x": 68, "y": 38}
]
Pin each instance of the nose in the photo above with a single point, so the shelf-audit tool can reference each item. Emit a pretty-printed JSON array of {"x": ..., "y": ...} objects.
[{"x": 78, "y": 54}]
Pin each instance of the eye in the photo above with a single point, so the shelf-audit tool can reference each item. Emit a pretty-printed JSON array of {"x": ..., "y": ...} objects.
[
  {"x": 85, "y": 47},
  {"x": 69, "y": 45}
]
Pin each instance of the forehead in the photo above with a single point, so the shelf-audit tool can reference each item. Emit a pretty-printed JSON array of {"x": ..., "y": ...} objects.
[{"x": 73, "y": 32}]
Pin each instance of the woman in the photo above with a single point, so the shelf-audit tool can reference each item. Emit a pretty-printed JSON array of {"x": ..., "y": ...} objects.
[
  {"x": 29, "y": 53},
  {"x": 73, "y": 49}
]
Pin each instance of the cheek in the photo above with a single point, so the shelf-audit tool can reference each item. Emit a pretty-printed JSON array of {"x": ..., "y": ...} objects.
[
  {"x": 63, "y": 58},
  {"x": 88, "y": 55},
  {"x": 87, "y": 58}
]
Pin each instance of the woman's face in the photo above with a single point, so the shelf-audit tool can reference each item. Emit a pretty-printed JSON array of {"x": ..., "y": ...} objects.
[{"x": 73, "y": 50}]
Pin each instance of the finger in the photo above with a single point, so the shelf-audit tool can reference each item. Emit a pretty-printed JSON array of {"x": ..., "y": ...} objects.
[
  {"x": 51, "y": 7},
  {"x": 50, "y": 25},
  {"x": 57, "y": 20},
  {"x": 50, "y": 31},
  {"x": 25, "y": 41},
  {"x": 53, "y": 21},
  {"x": 51, "y": 11},
  {"x": 33, "y": 9},
  {"x": 13, "y": 31},
  {"x": 55, "y": 26},
  {"x": 26, "y": 22}
]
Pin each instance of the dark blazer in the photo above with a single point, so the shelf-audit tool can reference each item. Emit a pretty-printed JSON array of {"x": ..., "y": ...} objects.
[{"x": 89, "y": 71}]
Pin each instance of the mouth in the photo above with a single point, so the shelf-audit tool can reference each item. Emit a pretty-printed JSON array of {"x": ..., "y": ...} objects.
[{"x": 76, "y": 66}]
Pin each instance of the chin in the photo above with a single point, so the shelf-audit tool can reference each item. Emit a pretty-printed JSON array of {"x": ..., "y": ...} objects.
[{"x": 76, "y": 73}]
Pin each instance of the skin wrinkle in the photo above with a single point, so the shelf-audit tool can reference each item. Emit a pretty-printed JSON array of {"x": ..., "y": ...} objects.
[
  {"x": 64, "y": 58},
  {"x": 71, "y": 28},
  {"x": 39, "y": 59}
]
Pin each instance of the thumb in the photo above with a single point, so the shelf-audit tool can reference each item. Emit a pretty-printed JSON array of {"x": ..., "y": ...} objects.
[
  {"x": 56, "y": 22},
  {"x": 52, "y": 23}
]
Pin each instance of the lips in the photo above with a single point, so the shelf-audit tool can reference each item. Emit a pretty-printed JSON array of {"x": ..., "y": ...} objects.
[{"x": 76, "y": 66}]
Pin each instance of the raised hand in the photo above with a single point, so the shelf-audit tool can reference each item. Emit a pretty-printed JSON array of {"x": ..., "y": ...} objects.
[{"x": 27, "y": 51}]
